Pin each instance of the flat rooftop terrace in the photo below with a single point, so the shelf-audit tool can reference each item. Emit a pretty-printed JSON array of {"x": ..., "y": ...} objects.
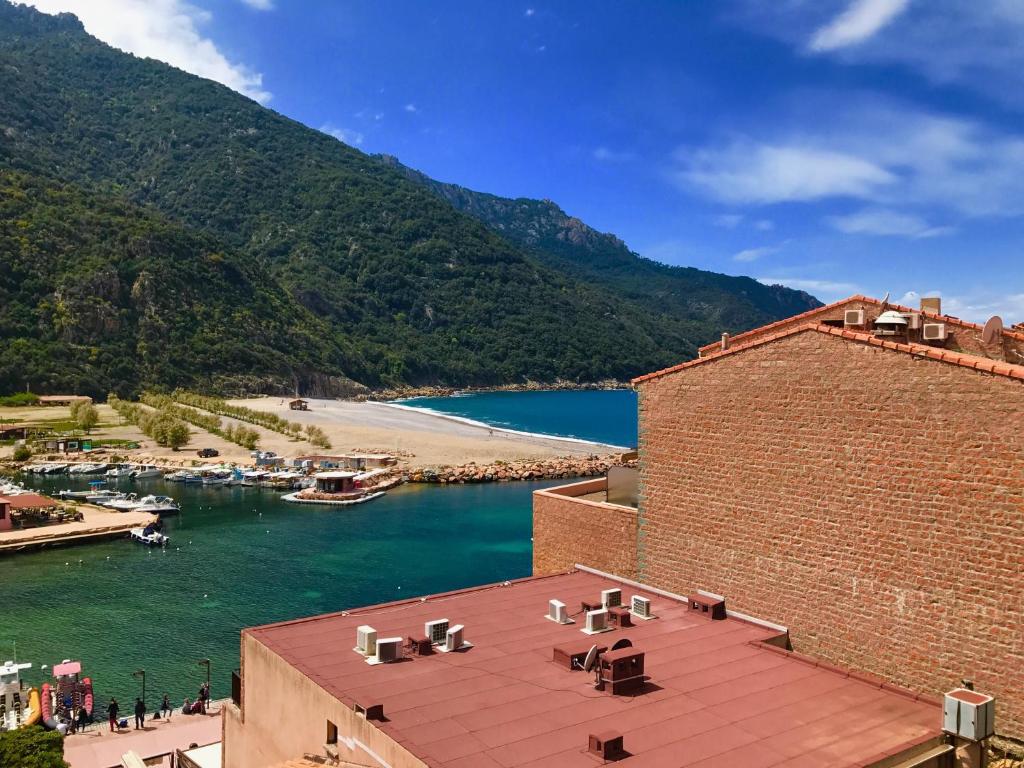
[{"x": 717, "y": 694}]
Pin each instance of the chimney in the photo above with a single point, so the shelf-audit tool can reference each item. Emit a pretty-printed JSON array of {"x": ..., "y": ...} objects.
[
  {"x": 931, "y": 304},
  {"x": 725, "y": 341},
  {"x": 606, "y": 745}
]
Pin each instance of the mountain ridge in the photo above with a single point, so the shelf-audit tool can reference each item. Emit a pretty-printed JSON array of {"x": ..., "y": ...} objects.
[{"x": 409, "y": 289}]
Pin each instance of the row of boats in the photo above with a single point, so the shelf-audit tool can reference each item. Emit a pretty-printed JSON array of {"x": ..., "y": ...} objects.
[
  {"x": 52, "y": 705},
  {"x": 212, "y": 474},
  {"x": 125, "y": 502},
  {"x": 111, "y": 471}
]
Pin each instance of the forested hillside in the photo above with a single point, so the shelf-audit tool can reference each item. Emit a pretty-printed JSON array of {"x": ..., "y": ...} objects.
[{"x": 365, "y": 274}]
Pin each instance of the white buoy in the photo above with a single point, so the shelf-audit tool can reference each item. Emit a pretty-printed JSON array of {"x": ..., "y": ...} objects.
[{"x": 205, "y": 596}]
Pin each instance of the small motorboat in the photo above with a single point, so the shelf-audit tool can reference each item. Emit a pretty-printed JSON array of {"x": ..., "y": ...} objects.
[
  {"x": 126, "y": 503},
  {"x": 158, "y": 505},
  {"x": 143, "y": 471},
  {"x": 18, "y": 707},
  {"x": 176, "y": 477},
  {"x": 119, "y": 471},
  {"x": 150, "y": 536}
]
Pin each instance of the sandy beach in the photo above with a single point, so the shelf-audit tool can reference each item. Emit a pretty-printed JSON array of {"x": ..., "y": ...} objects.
[{"x": 418, "y": 437}]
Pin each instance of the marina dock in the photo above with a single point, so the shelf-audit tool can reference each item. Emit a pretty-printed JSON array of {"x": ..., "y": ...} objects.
[{"x": 99, "y": 524}]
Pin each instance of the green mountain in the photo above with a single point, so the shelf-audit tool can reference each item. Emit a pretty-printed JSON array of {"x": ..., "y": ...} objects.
[
  {"x": 335, "y": 266},
  {"x": 699, "y": 303}
]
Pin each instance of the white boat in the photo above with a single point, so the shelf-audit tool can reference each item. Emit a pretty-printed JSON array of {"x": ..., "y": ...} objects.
[
  {"x": 54, "y": 468},
  {"x": 150, "y": 538},
  {"x": 142, "y": 471},
  {"x": 254, "y": 476},
  {"x": 18, "y": 707},
  {"x": 104, "y": 496},
  {"x": 176, "y": 477},
  {"x": 119, "y": 470},
  {"x": 126, "y": 503},
  {"x": 88, "y": 469},
  {"x": 158, "y": 505}
]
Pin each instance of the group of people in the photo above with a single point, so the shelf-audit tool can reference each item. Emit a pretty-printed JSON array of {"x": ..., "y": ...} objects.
[{"x": 199, "y": 707}]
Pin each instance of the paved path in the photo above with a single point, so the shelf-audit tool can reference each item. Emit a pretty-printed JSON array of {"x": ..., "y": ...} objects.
[
  {"x": 99, "y": 748},
  {"x": 99, "y": 523}
]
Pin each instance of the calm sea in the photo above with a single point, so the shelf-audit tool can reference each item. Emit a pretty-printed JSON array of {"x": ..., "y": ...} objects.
[
  {"x": 241, "y": 557},
  {"x": 604, "y": 416}
]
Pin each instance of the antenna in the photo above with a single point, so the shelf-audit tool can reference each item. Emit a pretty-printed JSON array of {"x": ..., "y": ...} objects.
[
  {"x": 591, "y": 661},
  {"x": 885, "y": 300},
  {"x": 993, "y": 330}
]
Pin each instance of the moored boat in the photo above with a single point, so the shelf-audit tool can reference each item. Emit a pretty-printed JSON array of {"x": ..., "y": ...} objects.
[
  {"x": 158, "y": 505},
  {"x": 143, "y": 471},
  {"x": 150, "y": 536},
  {"x": 119, "y": 471},
  {"x": 18, "y": 707}
]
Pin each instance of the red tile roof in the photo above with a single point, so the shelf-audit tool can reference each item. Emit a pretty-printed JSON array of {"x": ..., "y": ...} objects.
[
  {"x": 29, "y": 500},
  {"x": 919, "y": 350},
  {"x": 812, "y": 313},
  {"x": 717, "y": 694}
]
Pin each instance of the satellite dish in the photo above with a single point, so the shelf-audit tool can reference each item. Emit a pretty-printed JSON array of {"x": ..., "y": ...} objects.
[
  {"x": 885, "y": 299},
  {"x": 993, "y": 329},
  {"x": 623, "y": 643},
  {"x": 591, "y": 660}
]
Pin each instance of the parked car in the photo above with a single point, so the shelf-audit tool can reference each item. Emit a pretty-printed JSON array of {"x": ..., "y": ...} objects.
[{"x": 208, "y": 453}]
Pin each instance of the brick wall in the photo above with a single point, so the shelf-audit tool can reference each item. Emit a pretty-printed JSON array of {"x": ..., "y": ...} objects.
[
  {"x": 569, "y": 530},
  {"x": 871, "y": 501}
]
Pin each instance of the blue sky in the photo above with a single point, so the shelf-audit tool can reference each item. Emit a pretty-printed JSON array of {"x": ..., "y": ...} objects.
[{"x": 839, "y": 146}]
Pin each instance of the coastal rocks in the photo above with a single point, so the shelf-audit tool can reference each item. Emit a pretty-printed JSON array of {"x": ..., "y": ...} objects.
[
  {"x": 499, "y": 471},
  {"x": 529, "y": 386}
]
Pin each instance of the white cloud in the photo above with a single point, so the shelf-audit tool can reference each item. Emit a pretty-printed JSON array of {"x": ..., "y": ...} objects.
[
  {"x": 881, "y": 221},
  {"x": 530, "y": 12},
  {"x": 348, "y": 136},
  {"x": 975, "y": 306},
  {"x": 753, "y": 254},
  {"x": 825, "y": 290},
  {"x": 728, "y": 220},
  {"x": 167, "y": 30},
  {"x": 260, "y": 5},
  {"x": 764, "y": 225},
  {"x": 410, "y": 107},
  {"x": 861, "y": 20},
  {"x": 752, "y": 172},
  {"x": 881, "y": 153}
]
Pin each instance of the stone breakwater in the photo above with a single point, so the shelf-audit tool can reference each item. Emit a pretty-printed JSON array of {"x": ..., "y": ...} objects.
[
  {"x": 529, "y": 386},
  {"x": 499, "y": 471}
]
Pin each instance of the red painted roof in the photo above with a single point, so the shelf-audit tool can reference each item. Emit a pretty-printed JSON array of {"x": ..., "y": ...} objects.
[
  {"x": 812, "y": 313},
  {"x": 918, "y": 350},
  {"x": 717, "y": 695},
  {"x": 27, "y": 500}
]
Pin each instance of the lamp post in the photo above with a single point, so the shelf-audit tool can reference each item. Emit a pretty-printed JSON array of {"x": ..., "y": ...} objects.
[{"x": 141, "y": 673}]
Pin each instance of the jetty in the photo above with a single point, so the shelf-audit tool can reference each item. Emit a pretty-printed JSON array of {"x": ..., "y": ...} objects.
[{"x": 97, "y": 524}]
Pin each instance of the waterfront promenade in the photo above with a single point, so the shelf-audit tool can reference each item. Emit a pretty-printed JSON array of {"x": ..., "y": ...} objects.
[
  {"x": 99, "y": 524},
  {"x": 99, "y": 748}
]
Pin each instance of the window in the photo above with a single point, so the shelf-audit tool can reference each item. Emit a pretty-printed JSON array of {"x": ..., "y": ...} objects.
[{"x": 332, "y": 733}]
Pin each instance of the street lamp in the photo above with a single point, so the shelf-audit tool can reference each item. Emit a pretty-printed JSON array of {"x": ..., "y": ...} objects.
[{"x": 141, "y": 673}]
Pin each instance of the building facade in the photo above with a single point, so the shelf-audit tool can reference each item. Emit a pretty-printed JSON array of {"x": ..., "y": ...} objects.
[{"x": 865, "y": 491}]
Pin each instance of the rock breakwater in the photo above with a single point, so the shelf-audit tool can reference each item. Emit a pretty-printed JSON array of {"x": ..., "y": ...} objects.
[{"x": 502, "y": 471}]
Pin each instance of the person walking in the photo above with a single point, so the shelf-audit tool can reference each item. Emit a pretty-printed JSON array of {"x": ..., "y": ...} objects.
[
  {"x": 112, "y": 710},
  {"x": 83, "y": 719},
  {"x": 140, "y": 714},
  {"x": 165, "y": 707}
]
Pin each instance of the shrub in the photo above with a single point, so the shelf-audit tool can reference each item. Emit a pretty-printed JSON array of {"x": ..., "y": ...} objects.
[{"x": 22, "y": 453}]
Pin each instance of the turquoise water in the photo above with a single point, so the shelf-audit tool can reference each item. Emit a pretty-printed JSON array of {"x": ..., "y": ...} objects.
[
  {"x": 241, "y": 557},
  {"x": 605, "y": 416}
]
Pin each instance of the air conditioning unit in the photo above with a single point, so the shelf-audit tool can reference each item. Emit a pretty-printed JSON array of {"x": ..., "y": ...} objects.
[
  {"x": 968, "y": 714},
  {"x": 611, "y": 598},
  {"x": 853, "y": 317},
  {"x": 557, "y": 612},
  {"x": 436, "y": 630},
  {"x": 597, "y": 621},
  {"x": 453, "y": 638},
  {"x": 913, "y": 321},
  {"x": 388, "y": 649},
  {"x": 366, "y": 640},
  {"x": 934, "y": 332},
  {"x": 640, "y": 607}
]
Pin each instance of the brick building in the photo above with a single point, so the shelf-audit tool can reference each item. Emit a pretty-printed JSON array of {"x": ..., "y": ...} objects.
[{"x": 858, "y": 482}]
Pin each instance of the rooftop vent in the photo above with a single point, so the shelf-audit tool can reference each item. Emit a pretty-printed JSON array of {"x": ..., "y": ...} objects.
[
  {"x": 853, "y": 317},
  {"x": 968, "y": 714},
  {"x": 557, "y": 612},
  {"x": 436, "y": 630},
  {"x": 597, "y": 621},
  {"x": 619, "y": 616},
  {"x": 934, "y": 332},
  {"x": 711, "y": 607},
  {"x": 389, "y": 649},
  {"x": 610, "y": 598},
  {"x": 640, "y": 607},
  {"x": 419, "y": 646},
  {"x": 371, "y": 711},
  {"x": 366, "y": 640},
  {"x": 607, "y": 745},
  {"x": 623, "y": 670}
]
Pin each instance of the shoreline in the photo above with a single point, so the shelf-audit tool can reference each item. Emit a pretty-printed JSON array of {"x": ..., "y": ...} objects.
[{"x": 505, "y": 430}]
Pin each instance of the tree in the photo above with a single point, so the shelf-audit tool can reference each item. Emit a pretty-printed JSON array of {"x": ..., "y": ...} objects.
[
  {"x": 177, "y": 435},
  {"x": 22, "y": 453},
  {"x": 32, "y": 747},
  {"x": 86, "y": 415}
]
